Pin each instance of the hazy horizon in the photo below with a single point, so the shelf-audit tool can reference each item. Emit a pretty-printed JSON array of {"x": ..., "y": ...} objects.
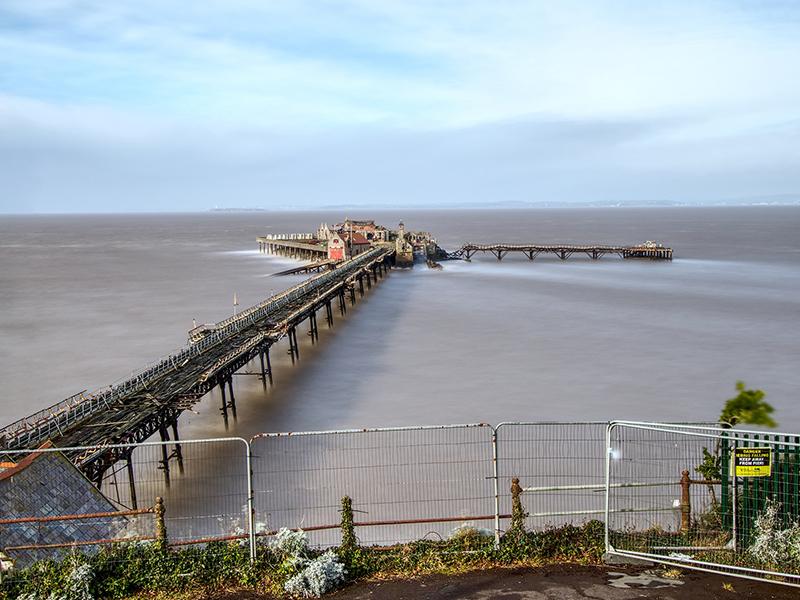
[{"x": 433, "y": 208}]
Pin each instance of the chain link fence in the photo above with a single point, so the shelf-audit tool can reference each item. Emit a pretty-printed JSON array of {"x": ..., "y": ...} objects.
[{"x": 721, "y": 500}]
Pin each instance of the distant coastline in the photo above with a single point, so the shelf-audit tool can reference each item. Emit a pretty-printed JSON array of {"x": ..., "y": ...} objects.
[{"x": 510, "y": 205}]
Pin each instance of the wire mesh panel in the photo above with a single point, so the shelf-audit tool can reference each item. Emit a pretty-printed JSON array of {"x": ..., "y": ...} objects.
[
  {"x": 716, "y": 499},
  {"x": 405, "y": 484},
  {"x": 180, "y": 492},
  {"x": 560, "y": 467}
]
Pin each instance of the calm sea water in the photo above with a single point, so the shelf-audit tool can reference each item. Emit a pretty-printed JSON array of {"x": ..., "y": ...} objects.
[{"x": 85, "y": 299}]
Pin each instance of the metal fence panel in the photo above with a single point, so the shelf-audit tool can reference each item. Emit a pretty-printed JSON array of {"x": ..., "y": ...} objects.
[
  {"x": 45, "y": 499},
  {"x": 405, "y": 483},
  {"x": 674, "y": 496},
  {"x": 560, "y": 467}
]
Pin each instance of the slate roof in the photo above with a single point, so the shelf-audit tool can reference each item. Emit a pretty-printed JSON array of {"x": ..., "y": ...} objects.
[{"x": 47, "y": 484}]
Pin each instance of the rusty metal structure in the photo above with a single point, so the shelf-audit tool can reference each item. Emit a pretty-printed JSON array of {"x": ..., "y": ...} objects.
[
  {"x": 151, "y": 400},
  {"x": 649, "y": 250}
]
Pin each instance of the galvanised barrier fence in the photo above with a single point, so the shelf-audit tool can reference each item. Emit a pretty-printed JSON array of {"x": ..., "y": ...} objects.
[
  {"x": 663, "y": 490},
  {"x": 706, "y": 498},
  {"x": 405, "y": 483},
  {"x": 178, "y": 493},
  {"x": 560, "y": 467}
]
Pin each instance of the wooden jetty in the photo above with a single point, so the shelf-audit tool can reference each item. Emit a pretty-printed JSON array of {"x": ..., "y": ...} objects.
[
  {"x": 152, "y": 400},
  {"x": 649, "y": 250}
]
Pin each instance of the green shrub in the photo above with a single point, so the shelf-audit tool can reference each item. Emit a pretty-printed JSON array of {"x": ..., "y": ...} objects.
[{"x": 124, "y": 570}]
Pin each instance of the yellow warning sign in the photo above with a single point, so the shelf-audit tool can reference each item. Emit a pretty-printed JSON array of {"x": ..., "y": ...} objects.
[{"x": 752, "y": 462}]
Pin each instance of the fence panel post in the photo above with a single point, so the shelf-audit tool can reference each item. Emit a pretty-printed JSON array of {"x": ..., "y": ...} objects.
[
  {"x": 496, "y": 489},
  {"x": 607, "y": 498},
  {"x": 251, "y": 511}
]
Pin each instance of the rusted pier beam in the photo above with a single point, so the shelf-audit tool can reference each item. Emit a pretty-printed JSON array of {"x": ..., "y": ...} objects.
[{"x": 648, "y": 250}]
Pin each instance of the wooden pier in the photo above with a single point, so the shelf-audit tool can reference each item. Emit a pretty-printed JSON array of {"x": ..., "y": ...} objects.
[
  {"x": 647, "y": 250},
  {"x": 151, "y": 401}
]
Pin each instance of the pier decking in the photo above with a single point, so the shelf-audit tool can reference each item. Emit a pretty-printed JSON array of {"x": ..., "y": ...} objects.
[
  {"x": 314, "y": 267},
  {"x": 564, "y": 251},
  {"x": 307, "y": 248}
]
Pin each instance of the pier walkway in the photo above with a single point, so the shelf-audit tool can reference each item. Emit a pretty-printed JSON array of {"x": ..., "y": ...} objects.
[
  {"x": 304, "y": 247},
  {"x": 564, "y": 251},
  {"x": 152, "y": 399}
]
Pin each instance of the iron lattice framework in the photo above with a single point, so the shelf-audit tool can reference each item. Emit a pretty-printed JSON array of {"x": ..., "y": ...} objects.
[
  {"x": 564, "y": 251},
  {"x": 151, "y": 400}
]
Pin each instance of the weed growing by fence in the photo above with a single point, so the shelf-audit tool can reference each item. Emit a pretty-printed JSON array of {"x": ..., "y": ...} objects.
[
  {"x": 124, "y": 570},
  {"x": 317, "y": 576},
  {"x": 305, "y": 574},
  {"x": 772, "y": 543}
]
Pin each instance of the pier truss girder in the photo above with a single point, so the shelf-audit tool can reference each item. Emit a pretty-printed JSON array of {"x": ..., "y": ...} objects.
[{"x": 563, "y": 251}]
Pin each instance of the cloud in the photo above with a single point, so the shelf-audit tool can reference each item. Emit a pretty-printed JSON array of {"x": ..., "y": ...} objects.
[
  {"x": 149, "y": 105},
  {"x": 59, "y": 159},
  {"x": 411, "y": 63}
]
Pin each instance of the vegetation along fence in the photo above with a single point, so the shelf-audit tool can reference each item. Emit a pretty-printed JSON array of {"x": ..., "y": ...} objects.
[{"x": 690, "y": 495}]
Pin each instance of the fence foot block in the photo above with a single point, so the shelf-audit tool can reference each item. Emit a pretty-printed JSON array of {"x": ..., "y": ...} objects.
[{"x": 615, "y": 559}]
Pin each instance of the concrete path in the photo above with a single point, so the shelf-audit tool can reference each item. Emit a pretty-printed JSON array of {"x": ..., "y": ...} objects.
[{"x": 568, "y": 582}]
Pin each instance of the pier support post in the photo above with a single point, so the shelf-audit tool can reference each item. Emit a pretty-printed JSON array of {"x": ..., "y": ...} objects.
[
  {"x": 292, "y": 343},
  {"x": 312, "y": 325},
  {"x": 224, "y": 408},
  {"x": 329, "y": 313},
  {"x": 263, "y": 369},
  {"x": 164, "y": 454},
  {"x": 178, "y": 448},
  {"x": 269, "y": 365},
  {"x": 132, "y": 481},
  {"x": 233, "y": 398},
  {"x": 361, "y": 285},
  {"x": 352, "y": 296}
]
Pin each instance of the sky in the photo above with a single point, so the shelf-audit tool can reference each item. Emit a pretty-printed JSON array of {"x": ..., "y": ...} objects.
[{"x": 152, "y": 105}]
